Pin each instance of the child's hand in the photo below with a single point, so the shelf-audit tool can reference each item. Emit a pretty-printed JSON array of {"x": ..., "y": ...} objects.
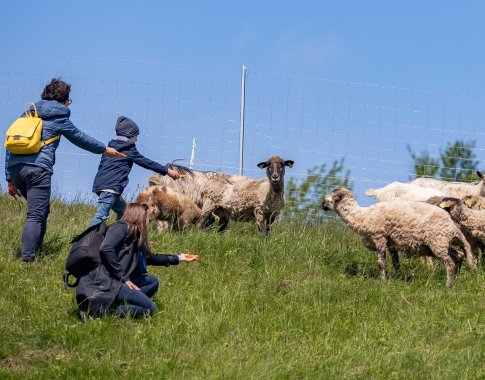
[
  {"x": 188, "y": 258},
  {"x": 173, "y": 174}
]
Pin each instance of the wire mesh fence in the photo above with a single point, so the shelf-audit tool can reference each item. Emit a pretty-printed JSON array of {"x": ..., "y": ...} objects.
[{"x": 312, "y": 121}]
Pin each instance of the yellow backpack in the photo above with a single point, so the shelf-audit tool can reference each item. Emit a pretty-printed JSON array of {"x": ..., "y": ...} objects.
[{"x": 25, "y": 135}]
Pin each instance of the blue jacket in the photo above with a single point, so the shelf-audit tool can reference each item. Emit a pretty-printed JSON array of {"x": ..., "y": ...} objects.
[
  {"x": 55, "y": 121},
  {"x": 113, "y": 172}
]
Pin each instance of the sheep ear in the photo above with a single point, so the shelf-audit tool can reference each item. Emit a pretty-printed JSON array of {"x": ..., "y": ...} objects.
[
  {"x": 479, "y": 174},
  {"x": 328, "y": 198},
  {"x": 469, "y": 203},
  {"x": 262, "y": 165},
  {"x": 289, "y": 163}
]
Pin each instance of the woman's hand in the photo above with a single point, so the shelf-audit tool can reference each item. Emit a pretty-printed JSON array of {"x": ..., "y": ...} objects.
[
  {"x": 188, "y": 258},
  {"x": 12, "y": 190},
  {"x": 131, "y": 285},
  {"x": 112, "y": 152}
]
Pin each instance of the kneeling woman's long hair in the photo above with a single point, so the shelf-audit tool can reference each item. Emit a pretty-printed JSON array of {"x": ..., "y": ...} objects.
[{"x": 137, "y": 217}]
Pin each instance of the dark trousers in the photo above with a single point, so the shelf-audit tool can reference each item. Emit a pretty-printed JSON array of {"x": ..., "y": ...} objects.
[
  {"x": 34, "y": 183},
  {"x": 137, "y": 303}
]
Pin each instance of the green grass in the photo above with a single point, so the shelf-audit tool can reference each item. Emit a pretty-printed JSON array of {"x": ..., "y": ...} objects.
[{"x": 305, "y": 303}]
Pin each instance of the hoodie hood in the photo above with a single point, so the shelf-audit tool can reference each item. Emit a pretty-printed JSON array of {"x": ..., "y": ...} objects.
[
  {"x": 51, "y": 109},
  {"x": 126, "y": 127}
]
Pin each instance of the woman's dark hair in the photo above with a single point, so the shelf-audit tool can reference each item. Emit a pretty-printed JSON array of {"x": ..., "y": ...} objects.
[
  {"x": 56, "y": 90},
  {"x": 136, "y": 215}
]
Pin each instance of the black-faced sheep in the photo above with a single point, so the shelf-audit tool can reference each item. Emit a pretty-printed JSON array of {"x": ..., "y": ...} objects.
[
  {"x": 247, "y": 199},
  {"x": 416, "y": 228},
  {"x": 169, "y": 208}
]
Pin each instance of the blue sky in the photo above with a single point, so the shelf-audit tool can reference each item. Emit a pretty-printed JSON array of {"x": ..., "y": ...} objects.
[
  {"x": 422, "y": 45},
  {"x": 433, "y": 45}
]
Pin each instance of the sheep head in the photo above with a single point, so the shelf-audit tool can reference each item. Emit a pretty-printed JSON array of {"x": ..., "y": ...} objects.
[
  {"x": 330, "y": 201},
  {"x": 275, "y": 171},
  {"x": 448, "y": 203}
]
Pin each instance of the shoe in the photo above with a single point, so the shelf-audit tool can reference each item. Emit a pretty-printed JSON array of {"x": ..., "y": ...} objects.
[{"x": 29, "y": 259}]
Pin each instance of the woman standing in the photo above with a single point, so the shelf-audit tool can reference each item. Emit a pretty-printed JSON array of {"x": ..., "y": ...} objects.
[
  {"x": 30, "y": 174},
  {"x": 121, "y": 283}
]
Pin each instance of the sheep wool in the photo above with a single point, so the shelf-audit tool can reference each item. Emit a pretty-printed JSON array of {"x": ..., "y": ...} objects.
[{"x": 416, "y": 228}]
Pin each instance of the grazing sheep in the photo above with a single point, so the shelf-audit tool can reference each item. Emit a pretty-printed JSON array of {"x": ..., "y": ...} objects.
[
  {"x": 397, "y": 191},
  {"x": 475, "y": 202},
  {"x": 168, "y": 207},
  {"x": 191, "y": 185},
  {"x": 470, "y": 221},
  {"x": 452, "y": 189},
  {"x": 247, "y": 199},
  {"x": 412, "y": 227}
]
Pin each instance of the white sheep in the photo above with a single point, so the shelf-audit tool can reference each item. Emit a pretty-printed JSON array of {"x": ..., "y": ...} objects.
[
  {"x": 452, "y": 189},
  {"x": 398, "y": 191},
  {"x": 247, "y": 199},
  {"x": 412, "y": 227},
  {"x": 471, "y": 222}
]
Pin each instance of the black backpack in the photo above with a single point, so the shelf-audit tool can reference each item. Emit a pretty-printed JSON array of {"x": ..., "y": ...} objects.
[{"x": 84, "y": 254}]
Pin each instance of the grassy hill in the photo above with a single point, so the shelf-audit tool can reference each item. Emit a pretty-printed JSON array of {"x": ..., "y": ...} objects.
[{"x": 305, "y": 303}]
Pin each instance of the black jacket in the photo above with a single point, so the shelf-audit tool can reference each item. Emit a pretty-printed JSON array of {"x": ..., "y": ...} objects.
[
  {"x": 119, "y": 259},
  {"x": 113, "y": 172}
]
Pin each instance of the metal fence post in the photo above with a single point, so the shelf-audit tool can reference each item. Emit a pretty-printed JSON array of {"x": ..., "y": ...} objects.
[{"x": 241, "y": 120}]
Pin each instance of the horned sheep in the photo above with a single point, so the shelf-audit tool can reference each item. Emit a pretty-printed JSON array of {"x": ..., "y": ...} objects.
[
  {"x": 412, "y": 227},
  {"x": 247, "y": 199}
]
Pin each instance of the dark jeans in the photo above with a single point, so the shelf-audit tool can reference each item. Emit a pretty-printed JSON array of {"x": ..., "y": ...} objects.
[
  {"x": 137, "y": 303},
  {"x": 34, "y": 183}
]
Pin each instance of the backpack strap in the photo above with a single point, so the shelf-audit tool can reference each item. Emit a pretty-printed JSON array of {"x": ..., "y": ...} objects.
[
  {"x": 29, "y": 113},
  {"x": 51, "y": 140}
]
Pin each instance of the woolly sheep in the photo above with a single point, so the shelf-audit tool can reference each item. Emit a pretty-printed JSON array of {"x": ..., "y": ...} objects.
[
  {"x": 475, "y": 202},
  {"x": 169, "y": 208},
  {"x": 398, "y": 191},
  {"x": 452, "y": 189},
  {"x": 247, "y": 199},
  {"x": 470, "y": 221},
  {"x": 191, "y": 185},
  {"x": 412, "y": 227}
]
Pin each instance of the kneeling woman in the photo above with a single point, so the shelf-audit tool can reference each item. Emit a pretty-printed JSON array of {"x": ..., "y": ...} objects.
[{"x": 121, "y": 282}]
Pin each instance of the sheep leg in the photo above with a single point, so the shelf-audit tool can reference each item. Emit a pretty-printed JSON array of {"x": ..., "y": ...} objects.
[
  {"x": 382, "y": 263},
  {"x": 206, "y": 214},
  {"x": 451, "y": 270},
  {"x": 162, "y": 225},
  {"x": 395, "y": 261},
  {"x": 223, "y": 222},
  {"x": 429, "y": 262},
  {"x": 261, "y": 221},
  {"x": 470, "y": 260},
  {"x": 269, "y": 223}
]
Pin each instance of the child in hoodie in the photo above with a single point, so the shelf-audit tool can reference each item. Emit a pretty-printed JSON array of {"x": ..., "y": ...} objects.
[{"x": 112, "y": 176}]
